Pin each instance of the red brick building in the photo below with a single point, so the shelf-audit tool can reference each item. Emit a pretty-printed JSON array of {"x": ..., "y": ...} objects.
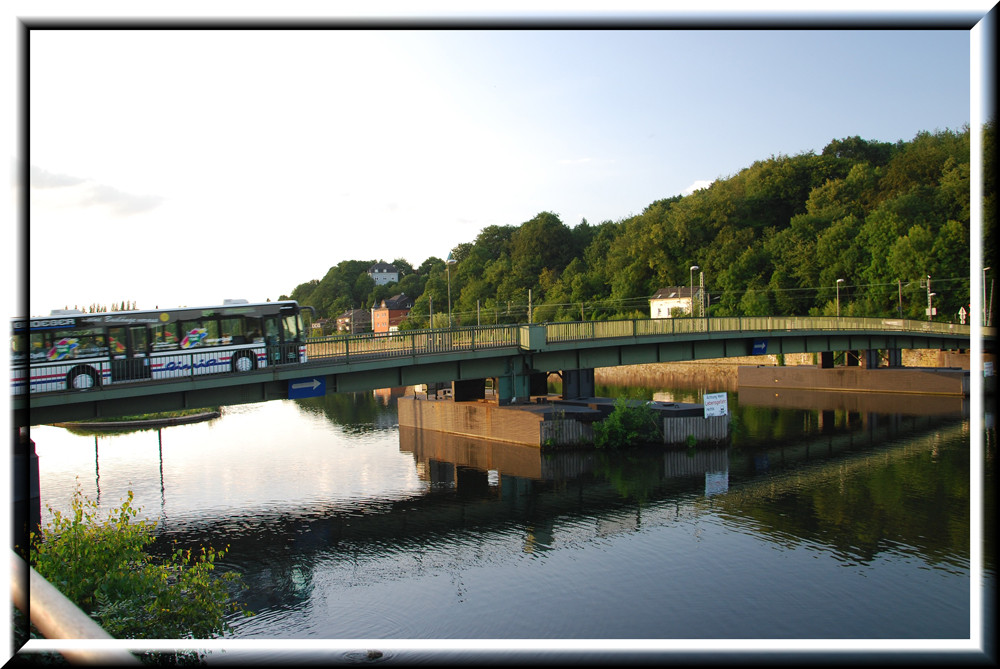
[{"x": 392, "y": 311}]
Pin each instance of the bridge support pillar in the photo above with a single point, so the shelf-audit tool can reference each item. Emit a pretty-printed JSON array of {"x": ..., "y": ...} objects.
[
  {"x": 826, "y": 360},
  {"x": 27, "y": 499},
  {"x": 512, "y": 387},
  {"x": 577, "y": 383},
  {"x": 468, "y": 390},
  {"x": 871, "y": 358},
  {"x": 895, "y": 357}
]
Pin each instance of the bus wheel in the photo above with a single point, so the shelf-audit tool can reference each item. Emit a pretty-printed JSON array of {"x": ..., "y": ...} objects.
[
  {"x": 243, "y": 362},
  {"x": 81, "y": 378}
]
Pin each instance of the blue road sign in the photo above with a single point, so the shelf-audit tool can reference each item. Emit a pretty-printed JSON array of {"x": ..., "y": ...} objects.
[
  {"x": 759, "y": 346},
  {"x": 310, "y": 387}
]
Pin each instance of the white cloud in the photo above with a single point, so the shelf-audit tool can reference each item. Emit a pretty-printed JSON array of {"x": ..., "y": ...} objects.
[
  {"x": 39, "y": 178},
  {"x": 84, "y": 192}
]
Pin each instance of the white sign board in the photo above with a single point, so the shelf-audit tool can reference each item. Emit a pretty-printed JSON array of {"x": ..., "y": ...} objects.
[
  {"x": 988, "y": 368},
  {"x": 716, "y": 404}
]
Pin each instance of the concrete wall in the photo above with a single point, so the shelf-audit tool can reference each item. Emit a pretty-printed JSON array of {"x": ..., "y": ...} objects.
[
  {"x": 483, "y": 420},
  {"x": 677, "y": 429}
]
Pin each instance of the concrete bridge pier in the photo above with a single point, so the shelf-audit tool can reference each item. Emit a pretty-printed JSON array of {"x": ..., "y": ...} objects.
[
  {"x": 27, "y": 498},
  {"x": 577, "y": 383},
  {"x": 520, "y": 386},
  {"x": 868, "y": 358}
]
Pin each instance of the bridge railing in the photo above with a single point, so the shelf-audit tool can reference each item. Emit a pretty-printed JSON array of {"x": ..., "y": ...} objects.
[
  {"x": 370, "y": 346},
  {"x": 411, "y": 342},
  {"x": 590, "y": 330}
]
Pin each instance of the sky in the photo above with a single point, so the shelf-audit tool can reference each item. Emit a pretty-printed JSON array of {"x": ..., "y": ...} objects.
[
  {"x": 182, "y": 167},
  {"x": 178, "y": 167}
]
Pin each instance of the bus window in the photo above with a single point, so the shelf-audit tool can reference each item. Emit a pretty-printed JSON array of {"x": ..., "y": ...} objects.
[
  {"x": 18, "y": 352},
  {"x": 271, "y": 335},
  {"x": 165, "y": 337},
  {"x": 195, "y": 334},
  {"x": 234, "y": 330},
  {"x": 67, "y": 345},
  {"x": 289, "y": 326}
]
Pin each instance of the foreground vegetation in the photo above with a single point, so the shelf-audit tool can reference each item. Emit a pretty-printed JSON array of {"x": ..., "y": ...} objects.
[
  {"x": 103, "y": 566},
  {"x": 628, "y": 425},
  {"x": 772, "y": 239}
]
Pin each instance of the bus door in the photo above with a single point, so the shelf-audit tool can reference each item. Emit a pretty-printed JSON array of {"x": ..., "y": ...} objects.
[
  {"x": 129, "y": 352},
  {"x": 272, "y": 337}
]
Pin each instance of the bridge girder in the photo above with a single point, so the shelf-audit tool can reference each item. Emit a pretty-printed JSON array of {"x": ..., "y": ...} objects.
[{"x": 534, "y": 357}]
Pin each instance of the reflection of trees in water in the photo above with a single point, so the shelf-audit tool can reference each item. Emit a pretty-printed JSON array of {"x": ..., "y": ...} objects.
[
  {"x": 910, "y": 497},
  {"x": 635, "y": 474},
  {"x": 356, "y": 413}
]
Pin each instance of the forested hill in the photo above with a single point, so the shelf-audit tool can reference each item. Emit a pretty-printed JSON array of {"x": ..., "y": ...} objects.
[{"x": 771, "y": 239}]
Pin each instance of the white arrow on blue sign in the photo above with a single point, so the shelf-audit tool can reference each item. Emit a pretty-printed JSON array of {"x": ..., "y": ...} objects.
[{"x": 311, "y": 387}]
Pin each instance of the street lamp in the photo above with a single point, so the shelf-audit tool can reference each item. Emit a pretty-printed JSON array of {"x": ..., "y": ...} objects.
[
  {"x": 693, "y": 268},
  {"x": 839, "y": 281},
  {"x": 985, "y": 318},
  {"x": 929, "y": 296},
  {"x": 449, "y": 262}
]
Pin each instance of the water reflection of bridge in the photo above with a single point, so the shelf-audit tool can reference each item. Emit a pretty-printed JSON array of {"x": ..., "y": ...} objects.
[
  {"x": 480, "y": 493},
  {"x": 439, "y": 454}
]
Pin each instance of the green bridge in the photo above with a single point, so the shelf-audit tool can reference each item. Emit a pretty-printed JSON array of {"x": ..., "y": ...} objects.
[{"x": 517, "y": 358}]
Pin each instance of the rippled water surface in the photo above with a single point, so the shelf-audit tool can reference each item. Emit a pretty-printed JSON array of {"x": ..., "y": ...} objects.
[{"x": 812, "y": 523}]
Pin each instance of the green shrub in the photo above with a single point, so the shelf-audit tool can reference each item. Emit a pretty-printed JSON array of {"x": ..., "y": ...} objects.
[
  {"x": 627, "y": 425},
  {"x": 104, "y": 568}
]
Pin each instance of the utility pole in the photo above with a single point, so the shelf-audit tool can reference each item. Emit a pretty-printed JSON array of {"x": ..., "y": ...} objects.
[
  {"x": 930, "y": 313},
  {"x": 701, "y": 293}
]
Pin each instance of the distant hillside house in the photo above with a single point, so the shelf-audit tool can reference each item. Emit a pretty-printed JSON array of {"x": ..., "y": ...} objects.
[
  {"x": 392, "y": 311},
  {"x": 354, "y": 321},
  {"x": 383, "y": 273},
  {"x": 667, "y": 299},
  {"x": 319, "y": 326}
]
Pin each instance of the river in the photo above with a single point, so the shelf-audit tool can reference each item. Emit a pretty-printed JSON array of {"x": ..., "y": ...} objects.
[{"x": 820, "y": 525}]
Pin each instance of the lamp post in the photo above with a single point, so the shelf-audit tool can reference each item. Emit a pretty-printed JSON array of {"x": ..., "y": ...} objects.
[
  {"x": 839, "y": 281},
  {"x": 929, "y": 296},
  {"x": 930, "y": 308},
  {"x": 693, "y": 268},
  {"x": 449, "y": 262},
  {"x": 985, "y": 318}
]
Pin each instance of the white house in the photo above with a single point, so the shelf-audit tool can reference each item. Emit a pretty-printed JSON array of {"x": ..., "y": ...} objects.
[
  {"x": 383, "y": 273},
  {"x": 667, "y": 299}
]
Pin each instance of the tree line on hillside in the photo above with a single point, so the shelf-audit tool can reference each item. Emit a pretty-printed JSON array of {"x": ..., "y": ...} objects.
[{"x": 772, "y": 239}]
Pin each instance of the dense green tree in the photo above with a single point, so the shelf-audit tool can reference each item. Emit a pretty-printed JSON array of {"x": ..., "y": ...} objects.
[
  {"x": 771, "y": 239},
  {"x": 858, "y": 150}
]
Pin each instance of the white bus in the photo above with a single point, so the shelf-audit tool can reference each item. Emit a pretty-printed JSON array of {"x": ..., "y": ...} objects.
[{"x": 73, "y": 350}]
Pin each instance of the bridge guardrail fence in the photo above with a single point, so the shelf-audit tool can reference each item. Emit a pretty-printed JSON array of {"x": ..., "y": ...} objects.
[
  {"x": 369, "y": 346},
  {"x": 592, "y": 330}
]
